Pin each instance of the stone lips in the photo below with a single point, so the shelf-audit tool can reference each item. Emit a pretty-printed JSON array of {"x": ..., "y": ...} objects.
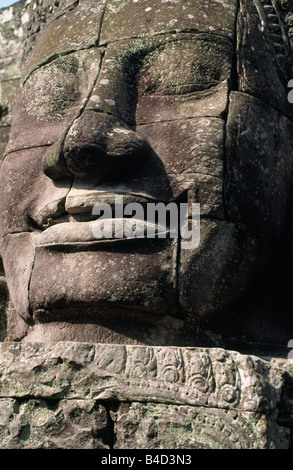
[
  {"x": 82, "y": 232},
  {"x": 194, "y": 376}
]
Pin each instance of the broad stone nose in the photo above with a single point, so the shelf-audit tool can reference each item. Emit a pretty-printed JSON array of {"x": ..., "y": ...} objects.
[{"x": 96, "y": 145}]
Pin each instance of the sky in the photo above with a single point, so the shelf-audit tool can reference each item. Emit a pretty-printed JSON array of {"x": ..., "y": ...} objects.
[{"x": 7, "y": 3}]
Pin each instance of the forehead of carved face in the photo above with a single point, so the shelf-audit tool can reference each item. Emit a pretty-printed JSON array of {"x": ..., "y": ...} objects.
[{"x": 156, "y": 101}]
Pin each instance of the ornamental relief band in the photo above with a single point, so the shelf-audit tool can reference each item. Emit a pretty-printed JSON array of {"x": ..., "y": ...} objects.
[
  {"x": 203, "y": 377},
  {"x": 162, "y": 104}
]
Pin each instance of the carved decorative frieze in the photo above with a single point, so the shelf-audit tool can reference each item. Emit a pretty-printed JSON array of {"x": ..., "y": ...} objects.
[{"x": 193, "y": 376}]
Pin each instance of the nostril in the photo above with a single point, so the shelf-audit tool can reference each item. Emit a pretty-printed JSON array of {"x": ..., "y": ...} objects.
[
  {"x": 84, "y": 159},
  {"x": 121, "y": 153},
  {"x": 54, "y": 165},
  {"x": 103, "y": 147}
]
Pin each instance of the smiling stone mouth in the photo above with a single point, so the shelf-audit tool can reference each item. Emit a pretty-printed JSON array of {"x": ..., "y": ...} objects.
[
  {"x": 78, "y": 205},
  {"x": 81, "y": 224}
]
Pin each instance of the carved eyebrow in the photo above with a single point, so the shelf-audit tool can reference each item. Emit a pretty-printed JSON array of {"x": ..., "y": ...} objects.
[
  {"x": 142, "y": 47},
  {"x": 54, "y": 58}
]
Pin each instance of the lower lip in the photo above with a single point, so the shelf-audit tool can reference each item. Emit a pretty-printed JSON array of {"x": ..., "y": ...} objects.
[{"x": 68, "y": 233}]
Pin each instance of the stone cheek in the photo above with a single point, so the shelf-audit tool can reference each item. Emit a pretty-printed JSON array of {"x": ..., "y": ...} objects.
[
  {"x": 27, "y": 192},
  {"x": 188, "y": 147},
  {"x": 210, "y": 277},
  {"x": 258, "y": 165}
]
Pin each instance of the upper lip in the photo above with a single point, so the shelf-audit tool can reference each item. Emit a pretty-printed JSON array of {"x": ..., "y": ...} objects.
[
  {"x": 78, "y": 206},
  {"x": 85, "y": 202}
]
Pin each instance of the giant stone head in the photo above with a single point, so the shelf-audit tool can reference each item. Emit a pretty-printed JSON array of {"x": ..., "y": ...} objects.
[{"x": 159, "y": 101}]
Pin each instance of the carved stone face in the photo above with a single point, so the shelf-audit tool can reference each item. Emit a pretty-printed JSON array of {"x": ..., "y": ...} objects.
[{"x": 158, "y": 101}]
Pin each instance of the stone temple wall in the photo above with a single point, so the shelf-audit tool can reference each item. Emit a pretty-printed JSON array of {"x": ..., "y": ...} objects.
[{"x": 93, "y": 396}]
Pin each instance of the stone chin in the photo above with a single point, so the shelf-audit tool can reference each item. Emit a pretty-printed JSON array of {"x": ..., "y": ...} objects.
[{"x": 129, "y": 291}]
